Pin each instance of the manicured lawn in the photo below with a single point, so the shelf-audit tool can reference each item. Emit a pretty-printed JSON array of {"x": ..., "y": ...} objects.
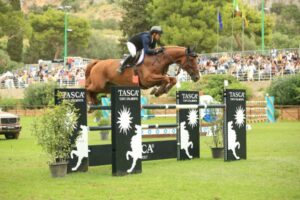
[{"x": 272, "y": 171}]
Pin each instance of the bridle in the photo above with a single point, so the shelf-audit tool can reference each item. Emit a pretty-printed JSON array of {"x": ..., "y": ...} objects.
[{"x": 186, "y": 63}]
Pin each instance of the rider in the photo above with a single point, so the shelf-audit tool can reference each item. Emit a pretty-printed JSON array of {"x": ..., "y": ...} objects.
[{"x": 144, "y": 42}]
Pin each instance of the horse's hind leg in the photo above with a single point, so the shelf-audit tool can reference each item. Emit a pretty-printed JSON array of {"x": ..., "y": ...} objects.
[{"x": 91, "y": 97}]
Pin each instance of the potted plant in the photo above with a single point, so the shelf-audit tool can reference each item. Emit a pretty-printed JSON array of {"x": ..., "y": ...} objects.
[
  {"x": 102, "y": 121},
  {"x": 217, "y": 148},
  {"x": 53, "y": 131}
]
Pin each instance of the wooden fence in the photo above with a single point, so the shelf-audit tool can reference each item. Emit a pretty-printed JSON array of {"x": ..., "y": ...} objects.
[{"x": 286, "y": 112}]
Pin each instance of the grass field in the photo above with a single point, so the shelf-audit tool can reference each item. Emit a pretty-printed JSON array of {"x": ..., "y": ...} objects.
[{"x": 272, "y": 171}]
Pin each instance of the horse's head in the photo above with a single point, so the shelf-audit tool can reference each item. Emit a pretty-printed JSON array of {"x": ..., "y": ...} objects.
[{"x": 189, "y": 64}]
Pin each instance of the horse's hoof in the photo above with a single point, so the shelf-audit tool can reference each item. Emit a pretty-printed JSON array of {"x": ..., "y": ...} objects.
[
  {"x": 89, "y": 110},
  {"x": 153, "y": 91},
  {"x": 157, "y": 94}
]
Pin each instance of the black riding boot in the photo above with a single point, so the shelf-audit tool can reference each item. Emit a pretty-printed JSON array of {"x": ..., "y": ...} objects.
[{"x": 126, "y": 62}]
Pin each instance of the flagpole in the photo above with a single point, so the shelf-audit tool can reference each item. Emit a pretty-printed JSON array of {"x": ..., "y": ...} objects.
[
  {"x": 218, "y": 30},
  {"x": 262, "y": 32},
  {"x": 232, "y": 24},
  {"x": 232, "y": 31},
  {"x": 262, "y": 25},
  {"x": 243, "y": 27}
]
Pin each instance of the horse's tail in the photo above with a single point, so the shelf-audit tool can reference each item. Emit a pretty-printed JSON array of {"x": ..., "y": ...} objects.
[{"x": 89, "y": 68}]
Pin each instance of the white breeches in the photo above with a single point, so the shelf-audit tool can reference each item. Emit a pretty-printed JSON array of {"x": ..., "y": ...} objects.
[{"x": 131, "y": 48}]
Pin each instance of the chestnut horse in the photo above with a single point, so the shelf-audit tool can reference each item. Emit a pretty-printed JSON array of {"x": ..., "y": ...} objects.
[{"x": 100, "y": 75}]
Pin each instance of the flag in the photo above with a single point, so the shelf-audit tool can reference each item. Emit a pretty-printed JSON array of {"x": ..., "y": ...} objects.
[
  {"x": 236, "y": 8},
  {"x": 220, "y": 20}
]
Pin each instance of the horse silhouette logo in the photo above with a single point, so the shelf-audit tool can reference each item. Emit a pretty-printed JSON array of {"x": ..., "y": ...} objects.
[
  {"x": 232, "y": 143},
  {"x": 81, "y": 146},
  {"x": 184, "y": 139},
  {"x": 136, "y": 148}
]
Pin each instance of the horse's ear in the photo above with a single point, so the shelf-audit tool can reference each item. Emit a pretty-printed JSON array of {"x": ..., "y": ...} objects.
[{"x": 188, "y": 49}]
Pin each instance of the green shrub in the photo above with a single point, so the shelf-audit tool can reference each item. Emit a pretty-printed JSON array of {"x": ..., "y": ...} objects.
[
  {"x": 185, "y": 86},
  {"x": 212, "y": 85},
  {"x": 54, "y": 129},
  {"x": 277, "y": 114},
  {"x": 286, "y": 90},
  {"x": 39, "y": 95},
  {"x": 8, "y": 103}
]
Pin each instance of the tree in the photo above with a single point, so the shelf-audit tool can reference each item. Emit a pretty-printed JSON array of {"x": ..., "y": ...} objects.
[
  {"x": 135, "y": 19},
  {"x": 287, "y": 26},
  {"x": 47, "y": 39},
  {"x": 100, "y": 47},
  {"x": 251, "y": 19},
  {"x": 195, "y": 23},
  {"x": 4, "y": 9},
  {"x": 186, "y": 22},
  {"x": 13, "y": 25},
  {"x": 6, "y": 64}
]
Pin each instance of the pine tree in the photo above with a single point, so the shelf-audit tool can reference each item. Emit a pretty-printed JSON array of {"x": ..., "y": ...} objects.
[
  {"x": 135, "y": 19},
  {"x": 15, "y": 43}
]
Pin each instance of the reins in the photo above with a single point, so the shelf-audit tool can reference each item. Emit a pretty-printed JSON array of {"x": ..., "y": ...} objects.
[{"x": 174, "y": 61}]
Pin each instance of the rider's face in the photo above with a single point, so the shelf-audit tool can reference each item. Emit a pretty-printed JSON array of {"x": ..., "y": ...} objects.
[{"x": 156, "y": 36}]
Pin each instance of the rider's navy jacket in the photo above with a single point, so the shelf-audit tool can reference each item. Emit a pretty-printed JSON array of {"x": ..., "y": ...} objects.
[{"x": 143, "y": 41}]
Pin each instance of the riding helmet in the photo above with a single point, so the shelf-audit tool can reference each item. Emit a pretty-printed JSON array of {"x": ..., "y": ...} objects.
[{"x": 156, "y": 29}]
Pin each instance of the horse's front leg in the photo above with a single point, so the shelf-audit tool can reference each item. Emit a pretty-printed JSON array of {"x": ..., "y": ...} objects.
[
  {"x": 162, "y": 89},
  {"x": 173, "y": 82},
  {"x": 166, "y": 88},
  {"x": 158, "y": 78}
]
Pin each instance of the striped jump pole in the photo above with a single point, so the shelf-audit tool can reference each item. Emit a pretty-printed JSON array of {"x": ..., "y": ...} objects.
[
  {"x": 143, "y": 126},
  {"x": 162, "y": 106}
]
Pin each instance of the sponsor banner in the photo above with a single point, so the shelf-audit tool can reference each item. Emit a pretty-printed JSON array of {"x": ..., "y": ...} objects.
[
  {"x": 100, "y": 154},
  {"x": 156, "y": 150},
  {"x": 126, "y": 130},
  {"x": 188, "y": 120},
  {"x": 235, "y": 125},
  {"x": 79, "y": 155}
]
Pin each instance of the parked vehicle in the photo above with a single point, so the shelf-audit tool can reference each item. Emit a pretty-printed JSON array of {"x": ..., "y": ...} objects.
[{"x": 10, "y": 125}]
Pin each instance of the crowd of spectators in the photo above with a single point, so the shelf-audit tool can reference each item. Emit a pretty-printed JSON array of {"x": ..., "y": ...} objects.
[
  {"x": 244, "y": 66},
  {"x": 253, "y": 66},
  {"x": 71, "y": 74}
]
